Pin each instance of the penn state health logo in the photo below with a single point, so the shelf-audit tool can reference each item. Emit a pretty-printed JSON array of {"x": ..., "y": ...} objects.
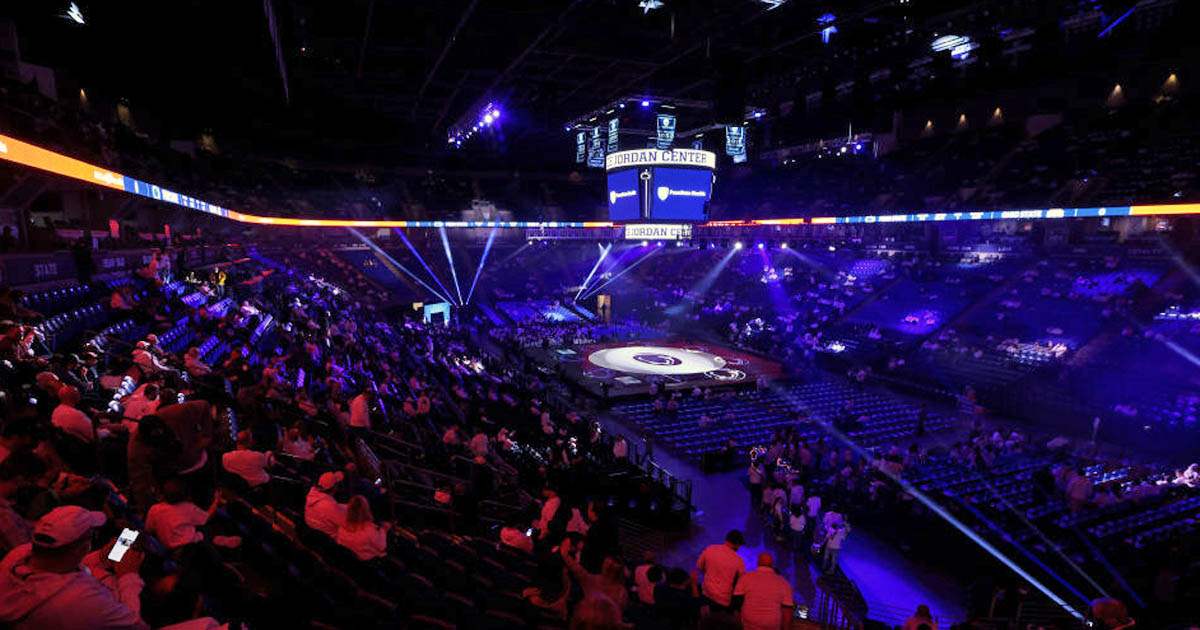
[
  {"x": 612, "y": 196},
  {"x": 663, "y": 193},
  {"x": 657, "y": 359}
]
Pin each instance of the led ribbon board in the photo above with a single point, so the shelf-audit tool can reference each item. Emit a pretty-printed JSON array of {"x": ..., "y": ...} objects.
[{"x": 25, "y": 154}]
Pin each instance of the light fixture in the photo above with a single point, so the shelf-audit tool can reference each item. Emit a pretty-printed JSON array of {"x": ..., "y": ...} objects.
[
  {"x": 645, "y": 103},
  {"x": 74, "y": 13},
  {"x": 737, "y": 245},
  {"x": 649, "y": 5}
]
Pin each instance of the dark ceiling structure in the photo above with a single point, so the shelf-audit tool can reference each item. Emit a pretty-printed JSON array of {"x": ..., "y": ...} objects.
[{"x": 383, "y": 80}]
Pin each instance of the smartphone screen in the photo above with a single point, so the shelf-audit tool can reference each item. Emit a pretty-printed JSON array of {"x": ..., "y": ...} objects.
[{"x": 124, "y": 542}]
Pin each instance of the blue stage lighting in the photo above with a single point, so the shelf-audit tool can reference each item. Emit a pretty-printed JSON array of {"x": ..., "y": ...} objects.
[
  {"x": 658, "y": 244},
  {"x": 645, "y": 103},
  {"x": 761, "y": 246},
  {"x": 758, "y": 114},
  {"x": 737, "y": 245},
  {"x": 622, "y": 105},
  {"x": 783, "y": 246}
]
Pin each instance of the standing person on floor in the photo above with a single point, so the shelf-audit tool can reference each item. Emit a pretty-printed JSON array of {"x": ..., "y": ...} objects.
[
  {"x": 756, "y": 474},
  {"x": 766, "y": 597},
  {"x": 833, "y": 546},
  {"x": 722, "y": 567}
]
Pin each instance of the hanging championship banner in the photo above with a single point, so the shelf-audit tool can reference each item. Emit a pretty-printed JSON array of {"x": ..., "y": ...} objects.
[
  {"x": 596, "y": 151},
  {"x": 666, "y": 131},
  {"x": 698, "y": 144},
  {"x": 612, "y": 136},
  {"x": 735, "y": 140},
  {"x": 580, "y": 147}
]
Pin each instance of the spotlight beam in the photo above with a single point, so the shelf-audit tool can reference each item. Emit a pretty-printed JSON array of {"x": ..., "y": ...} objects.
[
  {"x": 482, "y": 259},
  {"x": 513, "y": 254},
  {"x": 609, "y": 266},
  {"x": 450, "y": 259},
  {"x": 603, "y": 254},
  {"x": 366, "y": 241},
  {"x": 624, "y": 271},
  {"x": 421, "y": 259},
  {"x": 919, "y": 495},
  {"x": 703, "y": 284},
  {"x": 999, "y": 498}
]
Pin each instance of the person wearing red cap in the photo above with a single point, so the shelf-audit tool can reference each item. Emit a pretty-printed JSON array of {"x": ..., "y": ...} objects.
[
  {"x": 42, "y": 584},
  {"x": 322, "y": 511}
]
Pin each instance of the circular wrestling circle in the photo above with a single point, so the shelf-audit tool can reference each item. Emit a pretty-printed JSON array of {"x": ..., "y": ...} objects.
[{"x": 656, "y": 360}]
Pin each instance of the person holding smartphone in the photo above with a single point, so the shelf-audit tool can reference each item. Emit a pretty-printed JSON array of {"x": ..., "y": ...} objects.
[{"x": 46, "y": 586}]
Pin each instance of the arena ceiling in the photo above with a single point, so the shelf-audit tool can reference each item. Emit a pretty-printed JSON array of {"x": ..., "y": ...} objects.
[{"x": 385, "y": 79}]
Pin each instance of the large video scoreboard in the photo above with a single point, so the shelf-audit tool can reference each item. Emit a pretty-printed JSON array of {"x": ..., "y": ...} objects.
[{"x": 660, "y": 185}]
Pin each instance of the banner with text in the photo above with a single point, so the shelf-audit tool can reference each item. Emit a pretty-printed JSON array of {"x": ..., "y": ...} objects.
[
  {"x": 658, "y": 231},
  {"x": 596, "y": 150},
  {"x": 580, "y": 147},
  {"x": 735, "y": 141},
  {"x": 666, "y": 130},
  {"x": 612, "y": 135}
]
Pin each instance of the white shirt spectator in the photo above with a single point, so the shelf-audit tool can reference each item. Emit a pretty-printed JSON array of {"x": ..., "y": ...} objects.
[
  {"x": 367, "y": 541},
  {"x": 578, "y": 523},
  {"x": 323, "y": 513},
  {"x": 175, "y": 525},
  {"x": 766, "y": 595},
  {"x": 73, "y": 422},
  {"x": 249, "y": 465},
  {"x": 796, "y": 496},
  {"x": 479, "y": 445},
  {"x": 549, "y": 509},
  {"x": 837, "y": 538},
  {"x": 136, "y": 405},
  {"x": 148, "y": 362},
  {"x": 360, "y": 412},
  {"x": 722, "y": 566},
  {"x": 645, "y": 588},
  {"x": 299, "y": 448},
  {"x": 516, "y": 539}
]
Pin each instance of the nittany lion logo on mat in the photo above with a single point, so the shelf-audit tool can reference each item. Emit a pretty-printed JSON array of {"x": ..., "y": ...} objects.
[{"x": 657, "y": 359}]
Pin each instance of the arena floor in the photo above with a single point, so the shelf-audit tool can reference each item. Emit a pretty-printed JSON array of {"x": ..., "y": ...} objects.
[{"x": 622, "y": 369}]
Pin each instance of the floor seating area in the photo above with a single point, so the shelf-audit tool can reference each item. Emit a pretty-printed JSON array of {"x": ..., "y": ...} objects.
[{"x": 757, "y": 415}]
